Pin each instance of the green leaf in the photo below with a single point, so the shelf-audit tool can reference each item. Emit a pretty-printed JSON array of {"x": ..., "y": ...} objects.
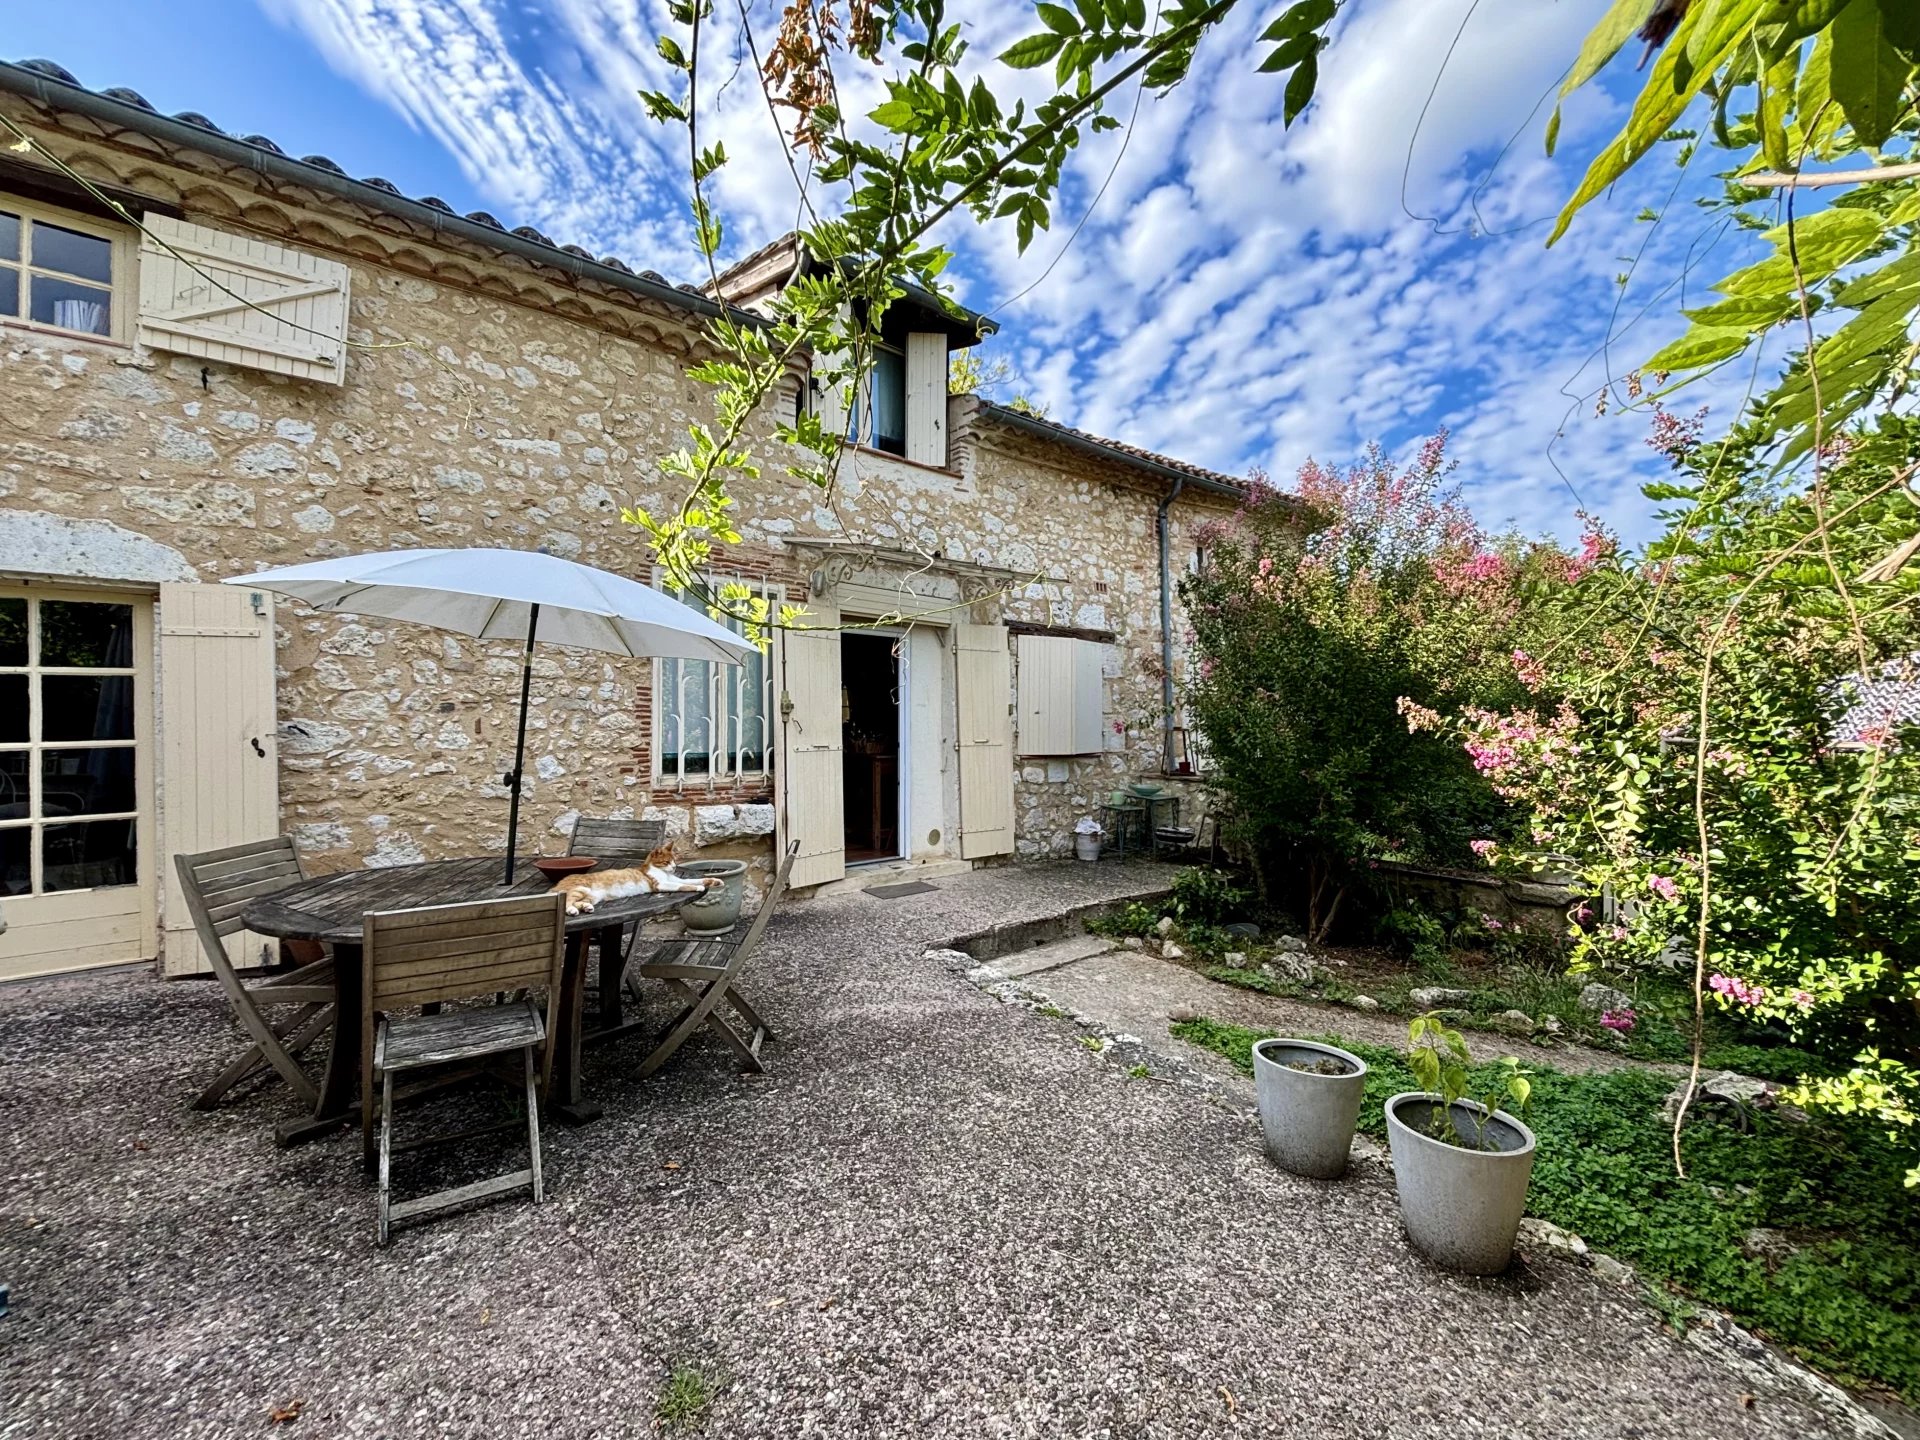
[
  {"x": 1058, "y": 18},
  {"x": 1286, "y": 56},
  {"x": 1669, "y": 90},
  {"x": 895, "y": 115},
  {"x": 1032, "y": 52},
  {"x": 1869, "y": 74},
  {"x": 1308, "y": 15},
  {"x": 1824, "y": 242},
  {"x": 1752, "y": 312},
  {"x": 1300, "y": 87},
  {"x": 1604, "y": 41},
  {"x": 1798, "y": 19},
  {"x": 1776, "y": 99},
  {"x": 671, "y": 52},
  {"x": 1702, "y": 345}
]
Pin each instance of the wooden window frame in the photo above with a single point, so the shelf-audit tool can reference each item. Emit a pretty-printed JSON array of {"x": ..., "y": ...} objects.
[
  {"x": 139, "y": 744},
  {"x": 122, "y": 288}
]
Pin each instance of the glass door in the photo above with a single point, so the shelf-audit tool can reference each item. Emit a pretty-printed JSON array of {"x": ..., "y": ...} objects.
[{"x": 75, "y": 812}]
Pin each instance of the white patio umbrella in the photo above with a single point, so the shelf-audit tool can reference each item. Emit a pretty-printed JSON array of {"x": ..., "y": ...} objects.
[{"x": 509, "y": 595}]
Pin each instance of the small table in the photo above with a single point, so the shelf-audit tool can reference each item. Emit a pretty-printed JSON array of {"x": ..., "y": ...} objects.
[
  {"x": 1140, "y": 813},
  {"x": 329, "y": 909}
]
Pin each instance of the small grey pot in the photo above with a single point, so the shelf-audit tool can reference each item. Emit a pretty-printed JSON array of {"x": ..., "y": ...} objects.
[
  {"x": 1308, "y": 1119},
  {"x": 717, "y": 911},
  {"x": 1461, "y": 1207}
]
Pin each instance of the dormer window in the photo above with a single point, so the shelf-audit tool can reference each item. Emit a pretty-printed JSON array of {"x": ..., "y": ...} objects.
[
  {"x": 888, "y": 430},
  {"x": 900, "y": 405}
]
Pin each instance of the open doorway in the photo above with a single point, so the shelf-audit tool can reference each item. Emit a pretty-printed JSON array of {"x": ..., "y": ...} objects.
[{"x": 872, "y": 705}]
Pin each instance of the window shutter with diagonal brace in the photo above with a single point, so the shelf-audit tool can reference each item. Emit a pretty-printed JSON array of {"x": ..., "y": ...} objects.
[{"x": 242, "y": 301}]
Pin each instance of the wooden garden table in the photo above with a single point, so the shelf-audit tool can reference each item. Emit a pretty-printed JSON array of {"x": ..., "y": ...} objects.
[{"x": 329, "y": 909}]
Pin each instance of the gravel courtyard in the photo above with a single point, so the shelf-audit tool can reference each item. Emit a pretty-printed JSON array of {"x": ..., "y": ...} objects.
[{"x": 939, "y": 1216}]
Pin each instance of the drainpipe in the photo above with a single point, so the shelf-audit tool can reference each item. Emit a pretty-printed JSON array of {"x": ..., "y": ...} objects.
[{"x": 1166, "y": 632}]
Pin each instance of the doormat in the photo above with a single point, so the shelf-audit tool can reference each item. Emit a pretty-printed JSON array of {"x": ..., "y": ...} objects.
[{"x": 896, "y": 892}]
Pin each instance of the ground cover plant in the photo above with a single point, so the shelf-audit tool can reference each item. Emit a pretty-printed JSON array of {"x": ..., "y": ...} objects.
[{"x": 1798, "y": 1228}]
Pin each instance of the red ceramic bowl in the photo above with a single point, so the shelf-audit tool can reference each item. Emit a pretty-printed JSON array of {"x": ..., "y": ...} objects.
[{"x": 555, "y": 866}]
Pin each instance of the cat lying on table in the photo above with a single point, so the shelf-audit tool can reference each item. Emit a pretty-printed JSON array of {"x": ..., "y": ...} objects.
[{"x": 583, "y": 892}]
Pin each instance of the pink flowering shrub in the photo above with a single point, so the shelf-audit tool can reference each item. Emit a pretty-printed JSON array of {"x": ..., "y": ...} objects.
[
  {"x": 1327, "y": 620},
  {"x": 1683, "y": 730},
  {"x": 1619, "y": 1021}
]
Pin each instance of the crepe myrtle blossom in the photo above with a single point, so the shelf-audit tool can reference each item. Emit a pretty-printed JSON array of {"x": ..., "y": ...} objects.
[
  {"x": 1619, "y": 1020},
  {"x": 1483, "y": 848},
  {"x": 1736, "y": 991},
  {"x": 1663, "y": 886},
  {"x": 1531, "y": 672}
]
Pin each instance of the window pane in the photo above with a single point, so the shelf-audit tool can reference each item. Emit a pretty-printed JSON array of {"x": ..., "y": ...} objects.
[
  {"x": 15, "y": 800},
  {"x": 86, "y": 635},
  {"x": 889, "y": 402},
  {"x": 72, "y": 306},
  {"x": 9, "y": 235},
  {"x": 9, "y": 291},
  {"x": 16, "y": 876},
  {"x": 13, "y": 632},
  {"x": 86, "y": 782},
  {"x": 13, "y": 709},
  {"x": 72, "y": 253},
  {"x": 86, "y": 707},
  {"x": 87, "y": 857}
]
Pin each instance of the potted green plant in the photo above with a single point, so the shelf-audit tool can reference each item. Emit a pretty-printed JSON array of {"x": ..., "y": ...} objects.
[
  {"x": 1309, "y": 1098},
  {"x": 1461, "y": 1165}
]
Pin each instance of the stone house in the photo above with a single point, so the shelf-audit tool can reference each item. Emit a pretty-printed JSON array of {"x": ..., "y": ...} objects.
[{"x": 404, "y": 376}]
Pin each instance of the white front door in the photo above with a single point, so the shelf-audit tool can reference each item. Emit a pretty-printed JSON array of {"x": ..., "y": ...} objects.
[
  {"x": 811, "y": 790},
  {"x": 76, "y": 779}
]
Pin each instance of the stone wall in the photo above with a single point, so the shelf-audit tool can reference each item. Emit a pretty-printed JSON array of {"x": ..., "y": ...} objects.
[{"x": 493, "y": 402}]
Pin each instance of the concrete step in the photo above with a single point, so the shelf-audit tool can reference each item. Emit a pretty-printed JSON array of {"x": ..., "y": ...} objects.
[
  {"x": 890, "y": 872},
  {"x": 1051, "y": 956}
]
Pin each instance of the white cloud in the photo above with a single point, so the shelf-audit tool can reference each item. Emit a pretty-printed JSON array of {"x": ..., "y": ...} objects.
[{"x": 1243, "y": 294}]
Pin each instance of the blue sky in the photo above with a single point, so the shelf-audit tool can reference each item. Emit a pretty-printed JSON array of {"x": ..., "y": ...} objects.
[{"x": 1239, "y": 295}]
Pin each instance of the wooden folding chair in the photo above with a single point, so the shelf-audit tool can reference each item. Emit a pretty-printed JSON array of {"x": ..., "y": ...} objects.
[
  {"x": 442, "y": 953},
  {"x": 705, "y": 973},
  {"x": 218, "y": 885},
  {"x": 616, "y": 839},
  {"x": 605, "y": 840}
]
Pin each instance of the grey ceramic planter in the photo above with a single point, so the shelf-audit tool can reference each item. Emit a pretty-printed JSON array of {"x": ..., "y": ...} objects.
[
  {"x": 1308, "y": 1119},
  {"x": 717, "y": 911},
  {"x": 1461, "y": 1207}
]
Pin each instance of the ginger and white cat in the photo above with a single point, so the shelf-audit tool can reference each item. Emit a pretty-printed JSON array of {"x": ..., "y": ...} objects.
[{"x": 583, "y": 892}]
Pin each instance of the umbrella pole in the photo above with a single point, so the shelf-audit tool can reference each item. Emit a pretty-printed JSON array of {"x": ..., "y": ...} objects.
[{"x": 520, "y": 742}]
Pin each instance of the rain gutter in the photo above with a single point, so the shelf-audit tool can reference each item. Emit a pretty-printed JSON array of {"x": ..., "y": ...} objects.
[{"x": 81, "y": 101}]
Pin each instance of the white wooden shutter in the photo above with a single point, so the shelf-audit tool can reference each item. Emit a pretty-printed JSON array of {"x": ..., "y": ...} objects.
[
  {"x": 927, "y": 399},
  {"x": 983, "y": 675},
  {"x": 219, "y": 751},
  {"x": 1061, "y": 707},
  {"x": 830, "y": 397},
  {"x": 812, "y": 780},
  {"x": 242, "y": 301}
]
